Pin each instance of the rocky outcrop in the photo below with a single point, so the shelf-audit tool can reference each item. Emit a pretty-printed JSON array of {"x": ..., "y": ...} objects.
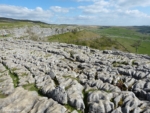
[
  {"x": 71, "y": 78},
  {"x": 35, "y": 31}
]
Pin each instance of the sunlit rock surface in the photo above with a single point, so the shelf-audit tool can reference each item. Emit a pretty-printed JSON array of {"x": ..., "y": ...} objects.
[{"x": 41, "y": 77}]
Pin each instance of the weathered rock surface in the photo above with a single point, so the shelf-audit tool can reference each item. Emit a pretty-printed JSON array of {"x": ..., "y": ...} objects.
[
  {"x": 71, "y": 78},
  {"x": 23, "y": 101},
  {"x": 35, "y": 31}
]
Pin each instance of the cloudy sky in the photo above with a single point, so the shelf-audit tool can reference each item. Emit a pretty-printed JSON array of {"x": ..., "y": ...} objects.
[{"x": 88, "y": 12}]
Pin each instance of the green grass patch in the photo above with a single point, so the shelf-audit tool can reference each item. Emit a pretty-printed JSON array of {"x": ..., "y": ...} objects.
[
  {"x": 73, "y": 78},
  {"x": 126, "y": 37},
  {"x": 85, "y": 94},
  {"x": 47, "y": 55},
  {"x": 2, "y": 95},
  {"x": 70, "y": 109},
  {"x": 121, "y": 85},
  {"x": 13, "y": 76},
  {"x": 14, "y": 69},
  {"x": 118, "y": 32},
  {"x": 56, "y": 81},
  {"x": 120, "y": 103},
  {"x": 87, "y": 38},
  {"x": 5, "y": 25},
  {"x": 2, "y": 80},
  {"x": 116, "y": 64},
  {"x": 32, "y": 87},
  {"x": 24, "y": 74},
  {"x": 71, "y": 37},
  {"x": 144, "y": 47}
]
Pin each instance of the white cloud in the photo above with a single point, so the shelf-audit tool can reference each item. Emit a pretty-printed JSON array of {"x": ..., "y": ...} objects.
[
  {"x": 131, "y": 3},
  {"x": 83, "y": 17},
  {"x": 97, "y": 7},
  {"x": 25, "y": 13},
  {"x": 85, "y": 0},
  {"x": 136, "y": 13},
  {"x": 116, "y": 12},
  {"x": 59, "y": 9}
]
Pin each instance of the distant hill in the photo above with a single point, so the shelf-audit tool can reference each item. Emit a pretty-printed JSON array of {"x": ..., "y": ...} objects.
[
  {"x": 143, "y": 29},
  {"x": 4, "y": 19}
]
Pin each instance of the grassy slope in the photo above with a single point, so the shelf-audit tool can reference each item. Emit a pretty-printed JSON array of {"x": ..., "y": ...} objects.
[
  {"x": 18, "y": 24},
  {"x": 87, "y": 38},
  {"x": 126, "y": 36},
  {"x": 70, "y": 37},
  {"x": 111, "y": 37},
  {"x": 120, "y": 38},
  {"x": 123, "y": 32}
]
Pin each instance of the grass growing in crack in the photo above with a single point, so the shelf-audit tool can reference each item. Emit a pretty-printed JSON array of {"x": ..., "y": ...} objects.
[
  {"x": 32, "y": 87},
  {"x": 121, "y": 85},
  {"x": 72, "y": 53},
  {"x": 116, "y": 64},
  {"x": 14, "y": 69},
  {"x": 56, "y": 81},
  {"x": 120, "y": 103},
  {"x": 73, "y": 78},
  {"x": 108, "y": 91},
  {"x": 130, "y": 87},
  {"x": 13, "y": 76},
  {"x": 2, "y": 80},
  {"x": 85, "y": 94},
  {"x": 2, "y": 95},
  {"x": 24, "y": 74},
  {"x": 47, "y": 55},
  {"x": 67, "y": 87},
  {"x": 70, "y": 109}
]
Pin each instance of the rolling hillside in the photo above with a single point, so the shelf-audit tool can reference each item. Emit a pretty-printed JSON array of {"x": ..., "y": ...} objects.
[{"x": 135, "y": 39}]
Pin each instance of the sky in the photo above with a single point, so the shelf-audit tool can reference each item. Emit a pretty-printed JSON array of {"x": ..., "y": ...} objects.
[{"x": 83, "y": 12}]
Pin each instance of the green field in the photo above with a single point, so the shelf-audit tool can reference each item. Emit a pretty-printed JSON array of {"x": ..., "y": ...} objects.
[
  {"x": 87, "y": 38},
  {"x": 6, "y": 23},
  {"x": 120, "y": 38},
  {"x": 127, "y": 36}
]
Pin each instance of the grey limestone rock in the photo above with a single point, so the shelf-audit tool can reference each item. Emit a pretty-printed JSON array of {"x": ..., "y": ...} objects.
[
  {"x": 51, "y": 74},
  {"x": 102, "y": 106},
  {"x": 29, "y": 102},
  {"x": 117, "y": 110},
  {"x": 58, "y": 94},
  {"x": 78, "y": 77}
]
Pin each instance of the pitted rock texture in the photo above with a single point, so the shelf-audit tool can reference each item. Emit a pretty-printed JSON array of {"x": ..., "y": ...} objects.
[{"x": 71, "y": 79}]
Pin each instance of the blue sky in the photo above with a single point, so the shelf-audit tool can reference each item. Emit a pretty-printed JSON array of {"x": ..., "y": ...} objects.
[{"x": 85, "y": 12}]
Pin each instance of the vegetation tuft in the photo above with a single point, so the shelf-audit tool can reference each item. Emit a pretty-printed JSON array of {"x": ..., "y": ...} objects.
[
  {"x": 13, "y": 76},
  {"x": 70, "y": 109},
  {"x": 2, "y": 95},
  {"x": 32, "y": 87}
]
